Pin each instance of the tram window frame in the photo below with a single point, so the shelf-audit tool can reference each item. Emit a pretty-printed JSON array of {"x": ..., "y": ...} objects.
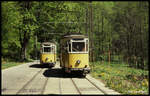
[
  {"x": 69, "y": 46},
  {"x": 78, "y": 47},
  {"x": 51, "y": 50},
  {"x": 54, "y": 49},
  {"x": 86, "y": 46},
  {"x": 65, "y": 47},
  {"x": 46, "y": 51}
]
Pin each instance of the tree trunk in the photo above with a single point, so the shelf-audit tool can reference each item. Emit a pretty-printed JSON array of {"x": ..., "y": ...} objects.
[
  {"x": 86, "y": 28},
  {"x": 23, "y": 51},
  {"x": 90, "y": 32},
  {"x": 109, "y": 56},
  {"x": 99, "y": 38},
  {"x": 102, "y": 34},
  {"x": 24, "y": 42}
]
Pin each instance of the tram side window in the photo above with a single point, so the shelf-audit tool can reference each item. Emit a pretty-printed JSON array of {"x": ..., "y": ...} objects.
[
  {"x": 65, "y": 48},
  {"x": 52, "y": 49},
  {"x": 78, "y": 46},
  {"x": 47, "y": 49},
  {"x": 69, "y": 47},
  {"x": 86, "y": 45}
]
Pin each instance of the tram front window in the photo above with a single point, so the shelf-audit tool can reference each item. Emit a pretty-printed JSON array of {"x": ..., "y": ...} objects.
[
  {"x": 47, "y": 49},
  {"x": 78, "y": 46}
]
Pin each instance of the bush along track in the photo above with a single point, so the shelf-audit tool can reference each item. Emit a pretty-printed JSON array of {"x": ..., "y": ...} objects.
[{"x": 121, "y": 78}]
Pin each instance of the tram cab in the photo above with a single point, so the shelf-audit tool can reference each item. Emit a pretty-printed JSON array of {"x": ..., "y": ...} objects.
[
  {"x": 75, "y": 54},
  {"x": 48, "y": 54}
]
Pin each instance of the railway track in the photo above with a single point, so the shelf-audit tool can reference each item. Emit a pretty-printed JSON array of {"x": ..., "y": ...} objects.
[
  {"x": 81, "y": 86},
  {"x": 99, "y": 85},
  {"x": 76, "y": 87},
  {"x": 87, "y": 87},
  {"x": 44, "y": 86},
  {"x": 28, "y": 88},
  {"x": 96, "y": 86},
  {"x": 53, "y": 81},
  {"x": 60, "y": 91},
  {"x": 91, "y": 86}
]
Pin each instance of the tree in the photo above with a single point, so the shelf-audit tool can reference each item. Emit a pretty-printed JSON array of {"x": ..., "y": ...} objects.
[
  {"x": 27, "y": 26},
  {"x": 10, "y": 18}
]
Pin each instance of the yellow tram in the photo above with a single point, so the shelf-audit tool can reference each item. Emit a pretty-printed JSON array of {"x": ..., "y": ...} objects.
[
  {"x": 74, "y": 54},
  {"x": 48, "y": 53}
]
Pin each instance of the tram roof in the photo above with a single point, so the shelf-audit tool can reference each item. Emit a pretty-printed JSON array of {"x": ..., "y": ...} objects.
[
  {"x": 47, "y": 43},
  {"x": 75, "y": 35}
]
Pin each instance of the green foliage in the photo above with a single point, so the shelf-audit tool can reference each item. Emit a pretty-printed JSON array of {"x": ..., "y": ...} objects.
[
  {"x": 9, "y": 32},
  {"x": 7, "y": 63},
  {"x": 114, "y": 26}
]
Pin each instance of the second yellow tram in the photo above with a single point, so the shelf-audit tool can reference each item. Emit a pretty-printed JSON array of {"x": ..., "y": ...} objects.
[
  {"x": 75, "y": 54},
  {"x": 48, "y": 54}
]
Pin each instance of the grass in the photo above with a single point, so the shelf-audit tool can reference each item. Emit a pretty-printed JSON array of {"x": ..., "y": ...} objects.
[
  {"x": 7, "y": 64},
  {"x": 10, "y": 64},
  {"x": 121, "y": 78}
]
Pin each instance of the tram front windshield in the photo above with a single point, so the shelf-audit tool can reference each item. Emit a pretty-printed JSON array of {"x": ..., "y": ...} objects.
[
  {"x": 48, "y": 49},
  {"x": 78, "y": 46}
]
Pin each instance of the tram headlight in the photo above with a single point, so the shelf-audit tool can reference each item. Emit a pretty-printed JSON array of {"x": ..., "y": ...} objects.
[
  {"x": 78, "y": 61},
  {"x": 85, "y": 66},
  {"x": 46, "y": 59}
]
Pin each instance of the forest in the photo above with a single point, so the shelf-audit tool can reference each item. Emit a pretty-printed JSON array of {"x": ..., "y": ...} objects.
[{"x": 118, "y": 31}]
